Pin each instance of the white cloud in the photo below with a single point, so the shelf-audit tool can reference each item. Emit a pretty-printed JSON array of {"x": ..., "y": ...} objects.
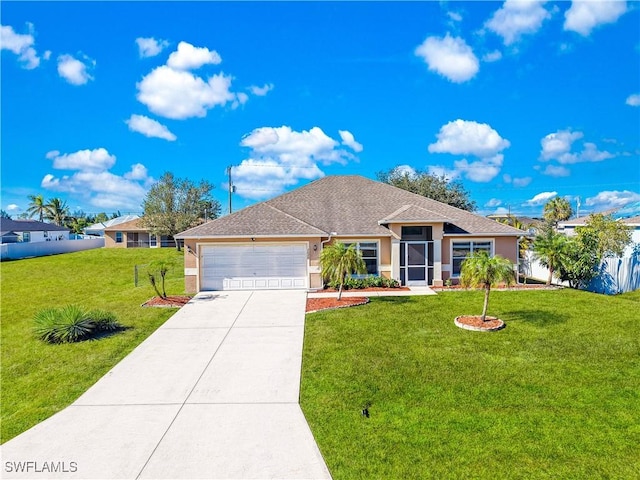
[
  {"x": 521, "y": 181},
  {"x": 450, "y": 57},
  {"x": 149, "y": 127},
  {"x": 585, "y": 15},
  {"x": 442, "y": 171},
  {"x": 349, "y": 140},
  {"x": 137, "y": 172},
  {"x": 406, "y": 170},
  {"x": 556, "y": 171},
  {"x": 516, "y": 18},
  {"x": 150, "y": 47},
  {"x": 541, "y": 198},
  {"x": 85, "y": 160},
  {"x": 468, "y": 137},
  {"x": 280, "y": 157},
  {"x": 633, "y": 100},
  {"x": 21, "y": 45},
  {"x": 455, "y": 16},
  {"x": 179, "y": 95},
  {"x": 463, "y": 137},
  {"x": 261, "y": 91},
  {"x": 501, "y": 211},
  {"x": 73, "y": 70},
  {"x": 188, "y": 57},
  {"x": 612, "y": 199},
  {"x": 93, "y": 181},
  {"x": 241, "y": 99},
  {"x": 559, "y": 145},
  {"x": 494, "y": 202},
  {"x": 13, "y": 207},
  {"x": 492, "y": 56}
]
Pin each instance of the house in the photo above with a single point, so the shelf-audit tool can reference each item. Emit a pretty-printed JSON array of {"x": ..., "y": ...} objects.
[
  {"x": 568, "y": 227},
  {"x": 131, "y": 234},
  {"x": 31, "y": 231},
  {"x": 97, "y": 229},
  {"x": 276, "y": 244}
]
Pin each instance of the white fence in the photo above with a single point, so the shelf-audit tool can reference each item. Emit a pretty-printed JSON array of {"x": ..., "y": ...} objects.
[
  {"x": 15, "y": 251},
  {"x": 616, "y": 275}
]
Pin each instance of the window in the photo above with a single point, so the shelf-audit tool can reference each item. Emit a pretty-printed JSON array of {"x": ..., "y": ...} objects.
[
  {"x": 26, "y": 236},
  {"x": 369, "y": 252},
  {"x": 460, "y": 250},
  {"x": 118, "y": 237},
  {"x": 418, "y": 233}
]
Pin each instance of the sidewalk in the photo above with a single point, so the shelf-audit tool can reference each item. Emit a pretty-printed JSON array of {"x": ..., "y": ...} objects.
[{"x": 391, "y": 292}]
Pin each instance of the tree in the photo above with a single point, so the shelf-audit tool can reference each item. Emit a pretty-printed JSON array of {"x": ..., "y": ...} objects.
[
  {"x": 613, "y": 236},
  {"x": 37, "y": 206},
  {"x": 429, "y": 185},
  {"x": 338, "y": 262},
  {"x": 4, "y": 214},
  {"x": 160, "y": 267},
  {"x": 56, "y": 211},
  {"x": 557, "y": 210},
  {"x": 100, "y": 218},
  {"x": 481, "y": 270},
  {"x": 173, "y": 205},
  {"x": 550, "y": 248}
]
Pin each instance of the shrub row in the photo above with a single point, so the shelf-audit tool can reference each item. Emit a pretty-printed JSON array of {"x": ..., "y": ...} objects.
[
  {"x": 73, "y": 324},
  {"x": 366, "y": 282}
]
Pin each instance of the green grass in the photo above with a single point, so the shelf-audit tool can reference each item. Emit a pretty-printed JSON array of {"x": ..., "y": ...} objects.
[
  {"x": 39, "y": 379},
  {"x": 556, "y": 394}
]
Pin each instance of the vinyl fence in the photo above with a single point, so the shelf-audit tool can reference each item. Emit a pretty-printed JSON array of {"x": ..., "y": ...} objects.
[
  {"x": 616, "y": 275},
  {"x": 15, "y": 251}
]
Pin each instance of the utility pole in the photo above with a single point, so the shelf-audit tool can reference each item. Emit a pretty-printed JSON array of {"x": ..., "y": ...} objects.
[
  {"x": 231, "y": 188},
  {"x": 578, "y": 209}
]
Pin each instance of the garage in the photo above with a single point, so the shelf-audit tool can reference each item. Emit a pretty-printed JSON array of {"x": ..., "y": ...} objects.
[{"x": 253, "y": 266}]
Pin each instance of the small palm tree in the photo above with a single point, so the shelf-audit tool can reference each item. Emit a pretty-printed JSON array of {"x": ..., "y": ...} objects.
[
  {"x": 338, "y": 262},
  {"x": 37, "y": 206},
  {"x": 481, "y": 270},
  {"x": 550, "y": 249}
]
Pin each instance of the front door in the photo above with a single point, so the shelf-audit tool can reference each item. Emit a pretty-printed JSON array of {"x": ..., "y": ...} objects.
[{"x": 416, "y": 263}]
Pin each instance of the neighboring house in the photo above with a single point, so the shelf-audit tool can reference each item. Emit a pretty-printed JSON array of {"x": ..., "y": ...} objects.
[
  {"x": 97, "y": 229},
  {"x": 276, "y": 244},
  {"x": 25, "y": 231},
  {"x": 131, "y": 235}
]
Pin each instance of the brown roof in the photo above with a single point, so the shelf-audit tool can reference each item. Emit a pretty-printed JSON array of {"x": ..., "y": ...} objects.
[
  {"x": 130, "y": 226},
  {"x": 348, "y": 205}
]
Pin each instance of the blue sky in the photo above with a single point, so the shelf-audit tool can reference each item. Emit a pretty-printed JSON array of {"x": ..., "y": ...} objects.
[{"x": 521, "y": 101}]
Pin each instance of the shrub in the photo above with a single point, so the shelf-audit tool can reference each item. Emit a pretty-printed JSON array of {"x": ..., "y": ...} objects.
[
  {"x": 366, "y": 282},
  {"x": 72, "y": 324}
]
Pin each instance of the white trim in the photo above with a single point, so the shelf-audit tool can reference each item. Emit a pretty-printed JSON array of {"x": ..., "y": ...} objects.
[
  {"x": 193, "y": 271},
  {"x": 385, "y": 268},
  {"x": 356, "y": 240}
]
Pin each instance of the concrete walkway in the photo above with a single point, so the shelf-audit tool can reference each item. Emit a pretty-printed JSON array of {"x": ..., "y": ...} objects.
[{"x": 213, "y": 393}]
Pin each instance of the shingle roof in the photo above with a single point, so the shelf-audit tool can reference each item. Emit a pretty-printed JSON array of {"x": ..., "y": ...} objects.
[
  {"x": 348, "y": 205},
  {"x": 9, "y": 225},
  {"x": 128, "y": 226}
]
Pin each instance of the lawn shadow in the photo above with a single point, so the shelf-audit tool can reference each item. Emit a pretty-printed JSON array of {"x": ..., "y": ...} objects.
[
  {"x": 541, "y": 318},
  {"x": 391, "y": 299},
  {"x": 106, "y": 333}
]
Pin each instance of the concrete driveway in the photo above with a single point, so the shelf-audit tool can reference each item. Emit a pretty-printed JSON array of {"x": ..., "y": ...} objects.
[{"x": 213, "y": 393}]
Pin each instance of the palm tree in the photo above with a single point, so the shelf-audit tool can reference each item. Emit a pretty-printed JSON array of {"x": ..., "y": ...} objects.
[
  {"x": 337, "y": 262},
  {"x": 37, "y": 206},
  {"x": 557, "y": 210},
  {"x": 481, "y": 270},
  {"x": 56, "y": 211},
  {"x": 550, "y": 249}
]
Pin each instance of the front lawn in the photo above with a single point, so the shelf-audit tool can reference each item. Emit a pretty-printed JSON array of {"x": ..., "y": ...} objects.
[
  {"x": 39, "y": 379},
  {"x": 556, "y": 394}
]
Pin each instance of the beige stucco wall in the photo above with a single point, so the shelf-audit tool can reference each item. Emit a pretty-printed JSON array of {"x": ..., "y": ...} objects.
[{"x": 110, "y": 240}]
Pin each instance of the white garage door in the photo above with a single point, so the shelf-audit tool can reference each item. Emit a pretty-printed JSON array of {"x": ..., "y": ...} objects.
[{"x": 249, "y": 267}]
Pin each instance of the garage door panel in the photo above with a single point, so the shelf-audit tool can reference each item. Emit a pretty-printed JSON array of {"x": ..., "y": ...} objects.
[{"x": 237, "y": 267}]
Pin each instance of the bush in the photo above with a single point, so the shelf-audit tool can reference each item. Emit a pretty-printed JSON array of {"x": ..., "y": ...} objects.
[
  {"x": 73, "y": 324},
  {"x": 366, "y": 282}
]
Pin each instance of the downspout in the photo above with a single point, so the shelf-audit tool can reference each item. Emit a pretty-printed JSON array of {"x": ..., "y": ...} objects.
[{"x": 322, "y": 242}]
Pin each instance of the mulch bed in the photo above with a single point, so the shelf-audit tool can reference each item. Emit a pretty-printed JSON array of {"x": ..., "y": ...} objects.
[
  {"x": 474, "y": 322},
  {"x": 326, "y": 303},
  {"x": 175, "y": 301},
  {"x": 368, "y": 289}
]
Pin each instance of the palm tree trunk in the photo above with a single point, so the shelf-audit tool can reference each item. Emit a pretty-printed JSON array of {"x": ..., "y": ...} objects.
[
  {"x": 340, "y": 292},
  {"x": 487, "y": 288},
  {"x": 550, "y": 276}
]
